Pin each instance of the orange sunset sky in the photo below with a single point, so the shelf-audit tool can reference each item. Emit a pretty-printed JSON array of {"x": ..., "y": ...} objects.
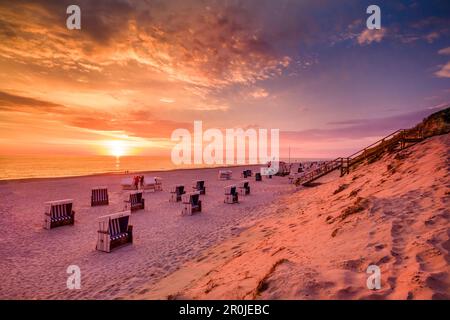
[{"x": 137, "y": 70}]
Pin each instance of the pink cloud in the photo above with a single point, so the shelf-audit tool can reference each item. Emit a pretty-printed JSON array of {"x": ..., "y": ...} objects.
[{"x": 369, "y": 36}]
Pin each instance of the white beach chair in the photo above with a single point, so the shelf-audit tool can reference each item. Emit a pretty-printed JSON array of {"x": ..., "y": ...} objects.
[
  {"x": 58, "y": 213},
  {"x": 231, "y": 194},
  {"x": 113, "y": 231},
  {"x": 225, "y": 174},
  {"x": 244, "y": 188},
  {"x": 176, "y": 192},
  {"x": 152, "y": 183},
  {"x": 128, "y": 184},
  {"x": 191, "y": 203},
  {"x": 99, "y": 196}
]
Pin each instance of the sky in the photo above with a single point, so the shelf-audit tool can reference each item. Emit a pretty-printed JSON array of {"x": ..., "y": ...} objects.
[{"x": 138, "y": 70}]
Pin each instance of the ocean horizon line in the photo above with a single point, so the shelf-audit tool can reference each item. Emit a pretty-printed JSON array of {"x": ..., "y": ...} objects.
[{"x": 20, "y": 168}]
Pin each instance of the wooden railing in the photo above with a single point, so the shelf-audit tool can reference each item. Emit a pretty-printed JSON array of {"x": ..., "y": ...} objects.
[
  {"x": 320, "y": 171},
  {"x": 400, "y": 137}
]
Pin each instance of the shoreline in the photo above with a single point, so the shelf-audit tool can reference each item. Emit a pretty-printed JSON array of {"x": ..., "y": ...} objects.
[{"x": 107, "y": 174}]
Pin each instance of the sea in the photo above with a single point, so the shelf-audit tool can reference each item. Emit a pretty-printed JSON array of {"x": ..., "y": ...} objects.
[{"x": 28, "y": 167}]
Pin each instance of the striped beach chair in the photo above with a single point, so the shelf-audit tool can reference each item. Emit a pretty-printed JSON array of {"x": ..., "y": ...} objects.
[
  {"x": 59, "y": 213},
  {"x": 135, "y": 202},
  {"x": 99, "y": 196},
  {"x": 176, "y": 192},
  {"x": 199, "y": 185},
  {"x": 244, "y": 188},
  {"x": 113, "y": 231},
  {"x": 231, "y": 195},
  {"x": 191, "y": 203}
]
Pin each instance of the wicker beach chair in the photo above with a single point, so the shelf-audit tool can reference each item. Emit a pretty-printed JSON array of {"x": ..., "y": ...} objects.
[
  {"x": 244, "y": 188},
  {"x": 199, "y": 185},
  {"x": 99, "y": 196},
  {"x": 191, "y": 203},
  {"x": 113, "y": 231},
  {"x": 176, "y": 192},
  {"x": 59, "y": 213},
  {"x": 135, "y": 202},
  {"x": 231, "y": 194}
]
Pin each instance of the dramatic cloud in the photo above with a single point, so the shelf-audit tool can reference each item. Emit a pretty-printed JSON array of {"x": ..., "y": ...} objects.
[
  {"x": 200, "y": 45},
  {"x": 11, "y": 102},
  {"x": 132, "y": 123},
  {"x": 139, "y": 69}
]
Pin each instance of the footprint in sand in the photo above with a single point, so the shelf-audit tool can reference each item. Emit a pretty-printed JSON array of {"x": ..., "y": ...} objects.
[
  {"x": 438, "y": 282},
  {"x": 383, "y": 260},
  {"x": 424, "y": 257},
  {"x": 347, "y": 293}
]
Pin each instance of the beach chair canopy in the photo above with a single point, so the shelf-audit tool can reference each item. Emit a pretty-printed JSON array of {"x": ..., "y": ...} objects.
[
  {"x": 114, "y": 223},
  {"x": 136, "y": 196},
  {"x": 99, "y": 191},
  {"x": 176, "y": 188},
  {"x": 199, "y": 184},
  {"x": 179, "y": 189},
  {"x": 230, "y": 189},
  {"x": 99, "y": 196},
  {"x": 59, "y": 207},
  {"x": 192, "y": 198},
  {"x": 244, "y": 184},
  {"x": 59, "y": 202}
]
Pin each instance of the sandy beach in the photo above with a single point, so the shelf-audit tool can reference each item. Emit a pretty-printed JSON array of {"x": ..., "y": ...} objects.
[
  {"x": 281, "y": 242},
  {"x": 34, "y": 260}
]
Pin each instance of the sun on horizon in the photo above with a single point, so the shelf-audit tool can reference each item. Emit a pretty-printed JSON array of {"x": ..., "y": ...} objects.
[{"x": 117, "y": 148}]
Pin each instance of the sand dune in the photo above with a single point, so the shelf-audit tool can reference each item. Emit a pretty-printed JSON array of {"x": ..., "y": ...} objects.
[{"x": 318, "y": 242}]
